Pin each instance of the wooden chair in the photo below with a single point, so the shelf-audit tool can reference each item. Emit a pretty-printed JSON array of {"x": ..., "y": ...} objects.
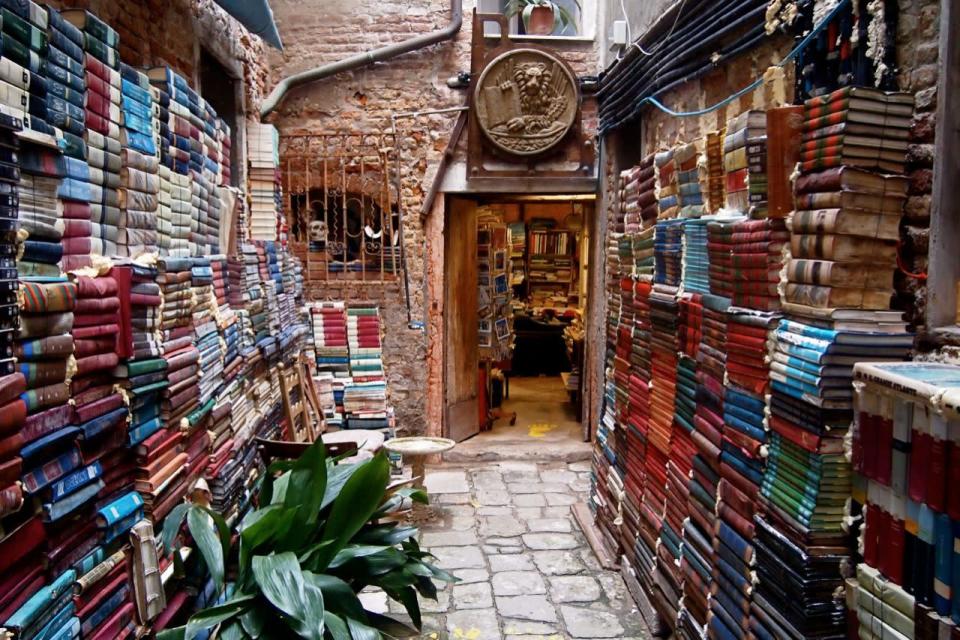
[{"x": 271, "y": 450}]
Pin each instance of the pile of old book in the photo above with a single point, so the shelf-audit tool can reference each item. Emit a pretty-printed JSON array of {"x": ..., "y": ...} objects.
[
  {"x": 715, "y": 178},
  {"x": 668, "y": 201},
  {"x": 262, "y": 153},
  {"x": 691, "y": 201},
  {"x": 905, "y": 451},
  {"x": 744, "y": 162},
  {"x": 668, "y": 252},
  {"x": 720, "y": 246},
  {"x": 696, "y": 260}
]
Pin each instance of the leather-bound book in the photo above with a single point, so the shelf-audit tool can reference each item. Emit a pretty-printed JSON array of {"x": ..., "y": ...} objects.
[{"x": 784, "y": 133}]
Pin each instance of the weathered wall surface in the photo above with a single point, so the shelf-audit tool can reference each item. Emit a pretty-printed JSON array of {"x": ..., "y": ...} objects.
[
  {"x": 320, "y": 31},
  {"x": 916, "y": 42}
]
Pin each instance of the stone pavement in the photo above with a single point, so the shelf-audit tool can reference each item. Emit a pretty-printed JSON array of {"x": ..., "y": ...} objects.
[{"x": 526, "y": 570}]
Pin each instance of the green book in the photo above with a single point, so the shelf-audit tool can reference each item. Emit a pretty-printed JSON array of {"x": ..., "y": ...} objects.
[{"x": 23, "y": 31}]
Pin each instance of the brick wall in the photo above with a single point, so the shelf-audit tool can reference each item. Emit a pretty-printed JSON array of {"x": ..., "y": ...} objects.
[{"x": 321, "y": 31}]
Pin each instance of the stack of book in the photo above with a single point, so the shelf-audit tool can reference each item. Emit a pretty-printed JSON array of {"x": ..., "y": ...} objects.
[
  {"x": 905, "y": 450},
  {"x": 637, "y": 196},
  {"x": 668, "y": 252},
  {"x": 744, "y": 156},
  {"x": 365, "y": 395},
  {"x": 844, "y": 255},
  {"x": 756, "y": 261},
  {"x": 139, "y": 177},
  {"x": 882, "y": 607},
  {"x": 39, "y": 213},
  {"x": 716, "y": 183},
  {"x": 720, "y": 246},
  {"x": 226, "y": 153},
  {"x": 262, "y": 155},
  {"x": 696, "y": 260},
  {"x": 686, "y": 158},
  {"x": 668, "y": 201}
]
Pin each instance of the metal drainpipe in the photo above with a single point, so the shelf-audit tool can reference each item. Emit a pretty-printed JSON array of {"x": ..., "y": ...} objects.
[{"x": 452, "y": 28}]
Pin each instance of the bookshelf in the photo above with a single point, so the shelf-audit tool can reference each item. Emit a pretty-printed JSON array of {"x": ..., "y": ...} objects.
[{"x": 551, "y": 267}]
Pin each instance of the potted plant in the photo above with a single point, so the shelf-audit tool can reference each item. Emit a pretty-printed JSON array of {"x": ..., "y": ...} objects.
[
  {"x": 322, "y": 533},
  {"x": 541, "y": 17}
]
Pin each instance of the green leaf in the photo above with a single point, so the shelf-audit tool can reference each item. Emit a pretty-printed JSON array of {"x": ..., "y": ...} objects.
[
  {"x": 255, "y": 620},
  {"x": 172, "y": 634},
  {"x": 260, "y": 527},
  {"x": 354, "y": 551},
  {"x": 280, "y": 485},
  {"x": 360, "y": 631},
  {"x": 282, "y": 583},
  {"x": 386, "y": 535},
  {"x": 408, "y": 598},
  {"x": 232, "y": 631},
  {"x": 440, "y": 574},
  {"x": 205, "y": 534},
  {"x": 425, "y": 587},
  {"x": 337, "y": 477},
  {"x": 390, "y": 626},
  {"x": 337, "y": 595},
  {"x": 383, "y": 562},
  {"x": 305, "y": 491},
  {"x": 336, "y": 626},
  {"x": 172, "y": 524},
  {"x": 358, "y": 499},
  {"x": 213, "y": 616}
]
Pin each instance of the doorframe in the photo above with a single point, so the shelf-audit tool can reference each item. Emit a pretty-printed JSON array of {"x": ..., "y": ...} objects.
[{"x": 438, "y": 347}]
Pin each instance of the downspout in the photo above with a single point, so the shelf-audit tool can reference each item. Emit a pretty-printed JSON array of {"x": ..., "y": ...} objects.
[{"x": 452, "y": 28}]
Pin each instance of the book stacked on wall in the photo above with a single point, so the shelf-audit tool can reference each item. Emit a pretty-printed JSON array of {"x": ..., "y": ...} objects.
[
  {"x": 744, "y": 162},
  {"x": 715, "y": 178},
  {"x": 905, "y": 454},
  {"x": 365, "y": 395},
  {"x": 686, "y": 165},
  {"x": 262, "y": 152}
]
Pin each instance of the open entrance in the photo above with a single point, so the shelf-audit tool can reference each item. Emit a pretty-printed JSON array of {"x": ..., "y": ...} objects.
[{"x": 516, "y": 272}]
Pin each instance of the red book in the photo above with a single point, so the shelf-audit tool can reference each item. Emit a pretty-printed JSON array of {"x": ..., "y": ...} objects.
[
  {"x": 936, "y": 469},
  {"x": 21, "y": 541},
  {"x": 920, "y": 451},
  {"x": 883, "y": 465},
  {"x": 893, "y": 551}
]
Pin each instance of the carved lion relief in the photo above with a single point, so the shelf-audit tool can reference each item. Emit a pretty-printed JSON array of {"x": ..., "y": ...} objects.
[{"x": 526, "y": 102}]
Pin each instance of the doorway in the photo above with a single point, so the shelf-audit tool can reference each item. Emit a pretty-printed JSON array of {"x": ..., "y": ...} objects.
[{"x": 516, "y": 274}]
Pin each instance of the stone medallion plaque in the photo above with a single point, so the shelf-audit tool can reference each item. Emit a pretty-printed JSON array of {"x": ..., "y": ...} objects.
[{"x": 526, "y": 102}]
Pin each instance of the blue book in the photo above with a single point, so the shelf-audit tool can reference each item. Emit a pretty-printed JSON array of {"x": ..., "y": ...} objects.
[
  {"x": 31, "y": 610},
  {"x": 38, "y": 478},
  {"x": 94, "y": 427},
  {"x": 135, "y": 92},
  {"x": 65, "y": 506},
  {"x": 943, "y": 567},
  {"x": 141, "y": 432},
  {"x": 89, "y": 561},
  {"x": 50, "y": 443},
  {"x": 106, "y": 608},
  {"x": 57, "y": 622},
  {"x": 71, "y": 189},
  {"x": 122, "y": 527},
  {"x": 119, "y": 509},
  {"x": 73, "y": 481},
  {"x": 69, "y": 631}
]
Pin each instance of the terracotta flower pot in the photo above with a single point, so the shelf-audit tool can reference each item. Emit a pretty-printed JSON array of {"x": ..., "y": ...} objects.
[{"x": 541, "y": 22}]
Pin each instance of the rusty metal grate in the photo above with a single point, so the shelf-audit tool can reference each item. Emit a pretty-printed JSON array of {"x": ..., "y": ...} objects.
[{"x": 342, "y": 213}]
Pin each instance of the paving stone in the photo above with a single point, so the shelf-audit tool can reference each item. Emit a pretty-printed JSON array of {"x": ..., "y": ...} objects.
[
  {"x": 451, "y": 498},
  {"x": 474, "y": 623},
  {"x": 529, "y": 500},
  {"x": 574, "y": 589},
  {"x": 433, "y": 627},
  {"x": 534, "y": 487},
  {"x": 590, "y": 560},
  {"x": 559, "y": 499},
  {"x": 512, "y": 541},
  {"x": 534, "y": 629},
  {"x": 558, "y": 563},
  {"x": 447, "y": 481},
  {"x": 518, "y": 583},
  {"x": 557, "y": 512},
  {"x": 472, "y": 596},
  {"x": 487, "y": 497},
  {"x": 460, "y": 510},
  {"x": 506, "y": 466},
  {"x": 500, "y": 526},
  {"x": 462, "y": 523},
  {"x": 557, "y": 525},
  {"x": 550, "y": 541},
  {"x": 458, "y": 557},
  {"x": 536, "y": 608},
  {"x": 375, "y": 601},
  {"x": 495, "y": 511},
  {"x": 591, "y": 623},
  {"x": 510, "y": 562},
  {"x": 580, "y": 465},
  {"x": 521, "y": 476},
  {"x": 472, "y": 575},
  {"x": 440, "y": 605},
  {"x": 528, "y": 513},
  {"x": 613, "y": 586},
  {"x": 490, "y": 549},
  {"x": 580, "y": 486},
  {"x": 558, "y": 475},
  {"x": 489, "y": 480},
  {"x": 431, "y": 539}
]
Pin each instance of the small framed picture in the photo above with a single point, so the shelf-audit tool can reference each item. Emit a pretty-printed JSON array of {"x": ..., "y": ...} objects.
[
  {"x": 484, "y": 279},
  {"x": 500, "y": 261},
  {"x": 500, "y": 283},
  {"x": 486, "y": 339},
  {"x": 503, "y": 329},
  {"x": 485, "y": 326},
  {"x": 483, "y": 237},
  {"x": 500, "y": 236}
]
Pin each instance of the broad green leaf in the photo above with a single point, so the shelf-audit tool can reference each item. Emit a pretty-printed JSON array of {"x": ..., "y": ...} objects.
[
  {"x": 267, "y": 480},
  {"x": 417, "y": 495},
  {"x": 336, "y": 626},
  {"x": 307, "y": 485},
  {"x": 267, "y": 524},
  {"x": 387, "y": 534},
  {"x": 282, "y": 583},
  {"x": 408, "y": 598},
  {"x": 337, "y": 595},
  {"x": 357, "y": 501},
  {"x": 172, "y": 524},
  {"x": 396, "y": 580},
  {"x": 390, "y": 626},
  {"x": 231, "y": 631},
  {"x": 360, "y": 631},
  {"x": 337, "y": 477},
  {"x": 309, "y": 558},
  {"x": 354, "y": 551},
  {"x": 440, "y": 574},
  {"x": 418, "y": 569},
  {"x": 380, "y": 563},
  {"x": 425, "y": 587},
  {"x": 255, "y": 620},
  {"x": 280, "y": 489},
  {"x": 222, "y": 528},
  {"x": 205, "y": 534},
  {"x": 215, "y": 615},
  {"x": 172, "y": 634}
]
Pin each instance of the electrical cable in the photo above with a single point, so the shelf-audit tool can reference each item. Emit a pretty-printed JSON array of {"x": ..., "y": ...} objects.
[
  {"x": 759, "y": 81},
  {"x": 665, "y": 38}
]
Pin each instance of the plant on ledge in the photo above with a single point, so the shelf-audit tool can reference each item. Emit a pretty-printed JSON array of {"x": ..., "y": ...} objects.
[
  {"x": 541, "y": 17},
  {"x": 321, "y": 534}
]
